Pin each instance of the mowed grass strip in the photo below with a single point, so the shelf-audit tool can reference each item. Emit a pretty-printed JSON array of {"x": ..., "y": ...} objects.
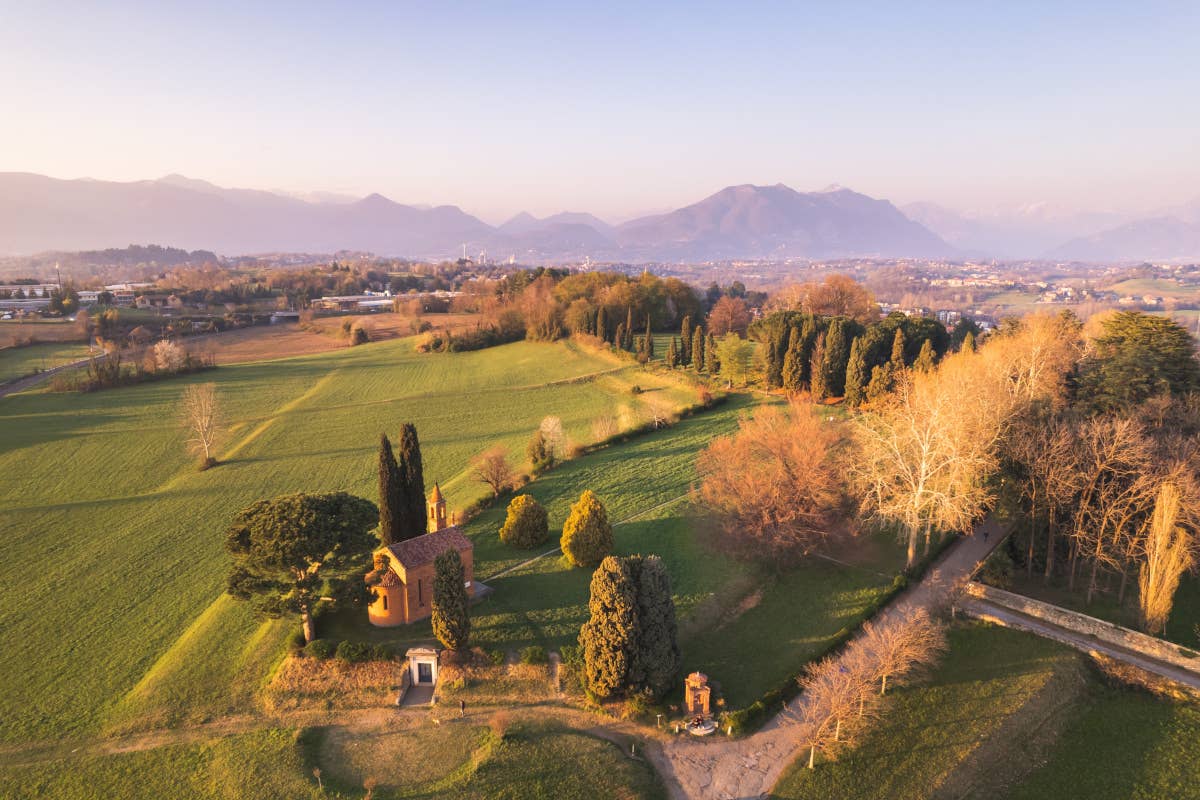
[{"x": 113, "y": 540}]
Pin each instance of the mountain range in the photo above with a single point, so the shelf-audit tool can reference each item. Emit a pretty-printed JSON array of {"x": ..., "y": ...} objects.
[{"x": 39, "y": 213}]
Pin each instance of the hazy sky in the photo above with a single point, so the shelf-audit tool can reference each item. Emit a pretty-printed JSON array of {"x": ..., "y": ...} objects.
[{"x": 613, "y": 108}]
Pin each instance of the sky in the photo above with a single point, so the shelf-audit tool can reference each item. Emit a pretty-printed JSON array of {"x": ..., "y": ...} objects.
[{"x": 614, "y": 108}]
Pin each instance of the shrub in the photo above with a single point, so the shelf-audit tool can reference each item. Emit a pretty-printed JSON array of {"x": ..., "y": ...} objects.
[
  {"x": 527, "y": 524},
  {"x": 353, "y": 652},
  {"x": 496, "y": 657},
  {"x": 358, "y": 335},
  {"x": 587, "y": 537},
  {"x": 320, "y": 648},
  {"x": 534, "y": 654},
  {"x": 636, "y": 389}
]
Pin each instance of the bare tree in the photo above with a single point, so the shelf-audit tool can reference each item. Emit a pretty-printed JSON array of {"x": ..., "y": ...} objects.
[
  {"x": 774, "y": 484},
  {"x": 1116, "y": 489},
  {"x": 1168, "y": 553},
  {"x": 925, "y": 453},
  {"x": 553, "y": 435},
  {"x": 1045, "y": 447},
  {"x": 897, "y": 647},
  {"x": 200, "y": 414},
  {"x": 493, "y": 469},
  {"x": 605, "y": 427}
]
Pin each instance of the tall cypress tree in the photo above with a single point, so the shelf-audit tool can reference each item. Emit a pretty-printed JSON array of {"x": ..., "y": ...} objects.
[
  {"x": 672, "y": 354},
  {"x": 601, "y": 324},
  {"x": 712, "y": 364},
  {"x": 808, "y": 338},
  {"x": 390, "y": 494},
  {"x": 698, "y": 348},
  {"x": 833, "y": 365},
  {"x": 656, "y": 659},
  {"x": 412, "y": 484},
  {"x": 792, "y": 376},
  {"x": 451, "y": 619},
  {"x": 776, "y": 355},
  {"x": 897, "y": 358},
  {"x": 619, "y": 336},
  {"x": 628, "y": 344},
  {"x": 685, "y": 341},
  {"x": 609, "y": 638},
  {"x": 925, "y": 360},
  {"x": 649, "y": 340},
  {"x": 857, "y": 373},
  {"x": 816, "y": 384}
]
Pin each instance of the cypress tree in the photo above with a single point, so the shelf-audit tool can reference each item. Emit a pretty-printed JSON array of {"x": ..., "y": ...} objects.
[
  {"x": 672, "y": 353},
  {"x": 817, "y": 385},
  {"x": 685, "y": 341},
  {"x": 792, "y": 375},
  {"x": 450, "y": 617},
  {"x": 712, "y": 364},
  {"x": 609, "y": 639},
  {"x": 833, "y": 364},
  {"x": 587, "y": 537},
  {"x": 897, "y": 358},
  {"x": 649, "y": 340},
  {"x": 412, "y": 484},
  {"x": 808, "y": 338},
  {"x": 390, "y": 494},
  {"x": 924, "y": 362},
  {"x": 697, "y": 352},
  {"x": 628, "y": 345},
  {"x": 619, "y": 336},
  {"x": 776, "y": 354},
  {"x": 601, "y": 324},
  {"x": 657, "y": 659},
  {"x": 856, "y": 373}
]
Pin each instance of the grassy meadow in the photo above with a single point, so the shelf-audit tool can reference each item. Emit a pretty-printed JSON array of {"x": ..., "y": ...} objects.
[
  {"x": 114, "y": 538},
  {"x": 17, "y": 362},
  {"x": 1009, "y": 715}
]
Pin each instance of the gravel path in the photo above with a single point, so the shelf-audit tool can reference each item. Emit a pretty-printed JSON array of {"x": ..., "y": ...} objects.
[{"x": 729, "y": 769}]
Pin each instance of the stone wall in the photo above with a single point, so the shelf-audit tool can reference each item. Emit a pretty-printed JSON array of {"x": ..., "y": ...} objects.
[{"x": 1176, "y": 655}]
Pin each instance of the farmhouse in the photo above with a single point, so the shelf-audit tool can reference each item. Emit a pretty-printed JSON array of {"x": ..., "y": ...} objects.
[{"x": 403, "y": 574}]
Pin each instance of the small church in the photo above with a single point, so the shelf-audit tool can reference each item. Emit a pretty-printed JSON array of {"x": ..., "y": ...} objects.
[{"x": 403, "y": 575}]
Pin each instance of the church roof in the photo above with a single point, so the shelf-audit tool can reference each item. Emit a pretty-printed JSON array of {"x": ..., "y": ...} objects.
[
  {"x": 424, "y": 549},
  {"x": 436, "y": 496}
]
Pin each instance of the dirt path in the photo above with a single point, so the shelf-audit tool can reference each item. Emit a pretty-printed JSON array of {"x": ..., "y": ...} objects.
[{"x": 726, "y": 769}]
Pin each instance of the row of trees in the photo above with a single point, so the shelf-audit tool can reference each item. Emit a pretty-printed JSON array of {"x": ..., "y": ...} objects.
[
  {"x": 401, "y": 488},
  {"x": 843, "y": 693}
]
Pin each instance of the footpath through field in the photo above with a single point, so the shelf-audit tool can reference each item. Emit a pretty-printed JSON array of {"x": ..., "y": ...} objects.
[{"x": 725, "y": 769}]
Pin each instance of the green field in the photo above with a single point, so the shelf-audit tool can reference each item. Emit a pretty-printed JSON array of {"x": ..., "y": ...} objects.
[
  {"x": 1159, "y": 287},
  {"x": 1009, "y": 715},
  {"x": 17, "y": 362},
  {"x": 469, "y": 762},
  {"x": 114, "y": 539}
]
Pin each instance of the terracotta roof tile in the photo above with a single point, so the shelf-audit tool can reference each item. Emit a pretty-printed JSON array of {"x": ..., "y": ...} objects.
[{"x": 424, "y": 549}]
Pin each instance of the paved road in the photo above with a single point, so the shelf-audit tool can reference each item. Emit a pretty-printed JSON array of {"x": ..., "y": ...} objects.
[
  {"x": 731, "y": 769},
  {"x": 29, "y": 381}
]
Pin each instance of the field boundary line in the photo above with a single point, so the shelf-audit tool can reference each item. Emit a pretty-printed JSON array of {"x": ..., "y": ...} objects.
[{"x": 539, "y": 557}]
